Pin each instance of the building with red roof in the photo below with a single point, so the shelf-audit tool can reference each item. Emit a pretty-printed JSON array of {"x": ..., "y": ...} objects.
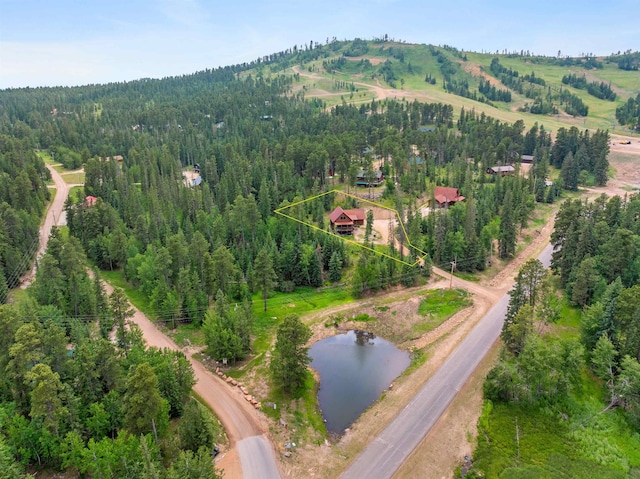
[
  {"x": 446, "y": 196},
  {"x": 345, "y": 221}
]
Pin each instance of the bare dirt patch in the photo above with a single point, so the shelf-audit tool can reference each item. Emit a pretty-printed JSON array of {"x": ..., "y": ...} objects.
[
  {"x": 373, "y": 60},
  {"x": 189, "y": 175},
  {"x": 475, "y": 70},
  {"x": 619, "y": 144}
]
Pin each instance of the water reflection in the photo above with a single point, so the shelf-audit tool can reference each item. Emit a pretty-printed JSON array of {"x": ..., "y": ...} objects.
[{"x": 354, "y": 369}]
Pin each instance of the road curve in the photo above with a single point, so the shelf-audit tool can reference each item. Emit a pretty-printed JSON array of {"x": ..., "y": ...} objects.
[
  {"x": 384, "y": 455},
  {"x": 238, "y": 417}
]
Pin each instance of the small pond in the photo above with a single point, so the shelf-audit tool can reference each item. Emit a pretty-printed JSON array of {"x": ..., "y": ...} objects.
[{"x": 354, "y": 369}]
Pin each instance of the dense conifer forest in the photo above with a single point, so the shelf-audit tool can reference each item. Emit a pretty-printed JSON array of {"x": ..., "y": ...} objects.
[{"x": 72, "y": 392}]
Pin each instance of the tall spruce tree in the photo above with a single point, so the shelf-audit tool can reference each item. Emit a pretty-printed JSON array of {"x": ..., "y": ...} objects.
[
  {"x": 508, "y": 233},
  {"x": 264, "y": 276},
  {"x": 290, "y": 358}
]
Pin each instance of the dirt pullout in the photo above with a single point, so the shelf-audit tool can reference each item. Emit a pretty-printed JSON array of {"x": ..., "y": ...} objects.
[{"x": 477, "y": 71}]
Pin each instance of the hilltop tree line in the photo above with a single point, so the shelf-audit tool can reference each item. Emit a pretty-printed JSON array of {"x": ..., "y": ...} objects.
[
  {"x": 628, "y": 60},
  {"x": 543, "y": 98}
]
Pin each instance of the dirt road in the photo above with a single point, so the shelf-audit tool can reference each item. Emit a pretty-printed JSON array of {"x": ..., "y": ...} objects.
[
  {"x": 55, "y": 217},
  {"x": 251, "y": 454},
  {"x": 245, "y": 428}
]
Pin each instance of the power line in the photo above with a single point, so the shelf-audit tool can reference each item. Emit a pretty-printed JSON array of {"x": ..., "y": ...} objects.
[{"x": 24, "y": 261}]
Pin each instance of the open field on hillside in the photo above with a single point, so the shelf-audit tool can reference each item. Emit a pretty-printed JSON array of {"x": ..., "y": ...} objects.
[{"x": 362, "y": 81}]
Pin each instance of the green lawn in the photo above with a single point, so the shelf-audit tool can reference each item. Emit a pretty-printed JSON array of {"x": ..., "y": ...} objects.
[
  {"x": 303, "y": 300},
  {"x": 438, "y": 305},
  {"x": 569, "y": 324},
  {"x": 46, "y": 156},
  {"x": 76, "y": 191},
  {"x": 73, "y": 178}
]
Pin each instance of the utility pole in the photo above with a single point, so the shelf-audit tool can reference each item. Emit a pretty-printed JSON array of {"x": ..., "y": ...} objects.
[{"x": 453, "y": 265}]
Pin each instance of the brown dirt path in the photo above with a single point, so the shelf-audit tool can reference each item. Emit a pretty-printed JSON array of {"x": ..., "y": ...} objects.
[
  {"x": 55, "y": 216},
  {"x": 238, "y": 417}
]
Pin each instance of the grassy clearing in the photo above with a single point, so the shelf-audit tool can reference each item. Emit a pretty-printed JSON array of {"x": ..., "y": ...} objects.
[
  {"x": 73, "y": 178},
  {"x": 18, "y": 295},
  {"x": 116, "y": 279},
  {"x": 467, "y": 277},
  {"x": 46, "y": 156},
  {"x": 439, "y": 305},
  {"x": 76, "y": 191},
  {"x": 302, "y": 414},
  {"x": 303, "y": 300},
  {"x": 549, "y": 447},
  {"x": 187, "y": 332},
  {"x": 569, "y": 324}
]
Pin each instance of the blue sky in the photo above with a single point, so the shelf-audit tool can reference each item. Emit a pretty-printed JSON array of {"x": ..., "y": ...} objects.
[{"x": 75, "y": 42}]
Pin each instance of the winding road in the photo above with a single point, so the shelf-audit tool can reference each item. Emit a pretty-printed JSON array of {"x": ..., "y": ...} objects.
[
  {"x": 245, "y": 428},
  {"x": 386, "y": 453}
]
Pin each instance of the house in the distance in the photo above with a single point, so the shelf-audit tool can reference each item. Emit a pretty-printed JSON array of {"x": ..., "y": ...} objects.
[
  {"x": 416, "y": 160},
  {"x": 90, "y": 201},
  {"x": 526, "y": 159},
  {"x": 501, "y": 170},
  {"x": 376, "y": 179},
  {"x": 345, "y": 221},
  {"x": 446, "y": 196}
]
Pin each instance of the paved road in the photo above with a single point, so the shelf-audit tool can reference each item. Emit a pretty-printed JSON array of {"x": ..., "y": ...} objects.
[
  {"x": 384, "y": 455},
  {"x": 256, "y": 456}
]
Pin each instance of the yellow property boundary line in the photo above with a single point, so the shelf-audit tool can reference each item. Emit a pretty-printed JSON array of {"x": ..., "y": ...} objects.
[{"x": 279, "y": 211}]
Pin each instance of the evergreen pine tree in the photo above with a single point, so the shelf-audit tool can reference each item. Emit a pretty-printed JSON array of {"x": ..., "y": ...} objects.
[
  {"x": 335, "y": 267},
  {"x": 507, "y": 234},
  {"x": 570, "y": 172},
  {"x": 4, "y": 290}
]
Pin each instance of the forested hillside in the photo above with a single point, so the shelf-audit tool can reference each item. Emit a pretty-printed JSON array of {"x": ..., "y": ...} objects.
[{"x": 191, "y": 249}]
